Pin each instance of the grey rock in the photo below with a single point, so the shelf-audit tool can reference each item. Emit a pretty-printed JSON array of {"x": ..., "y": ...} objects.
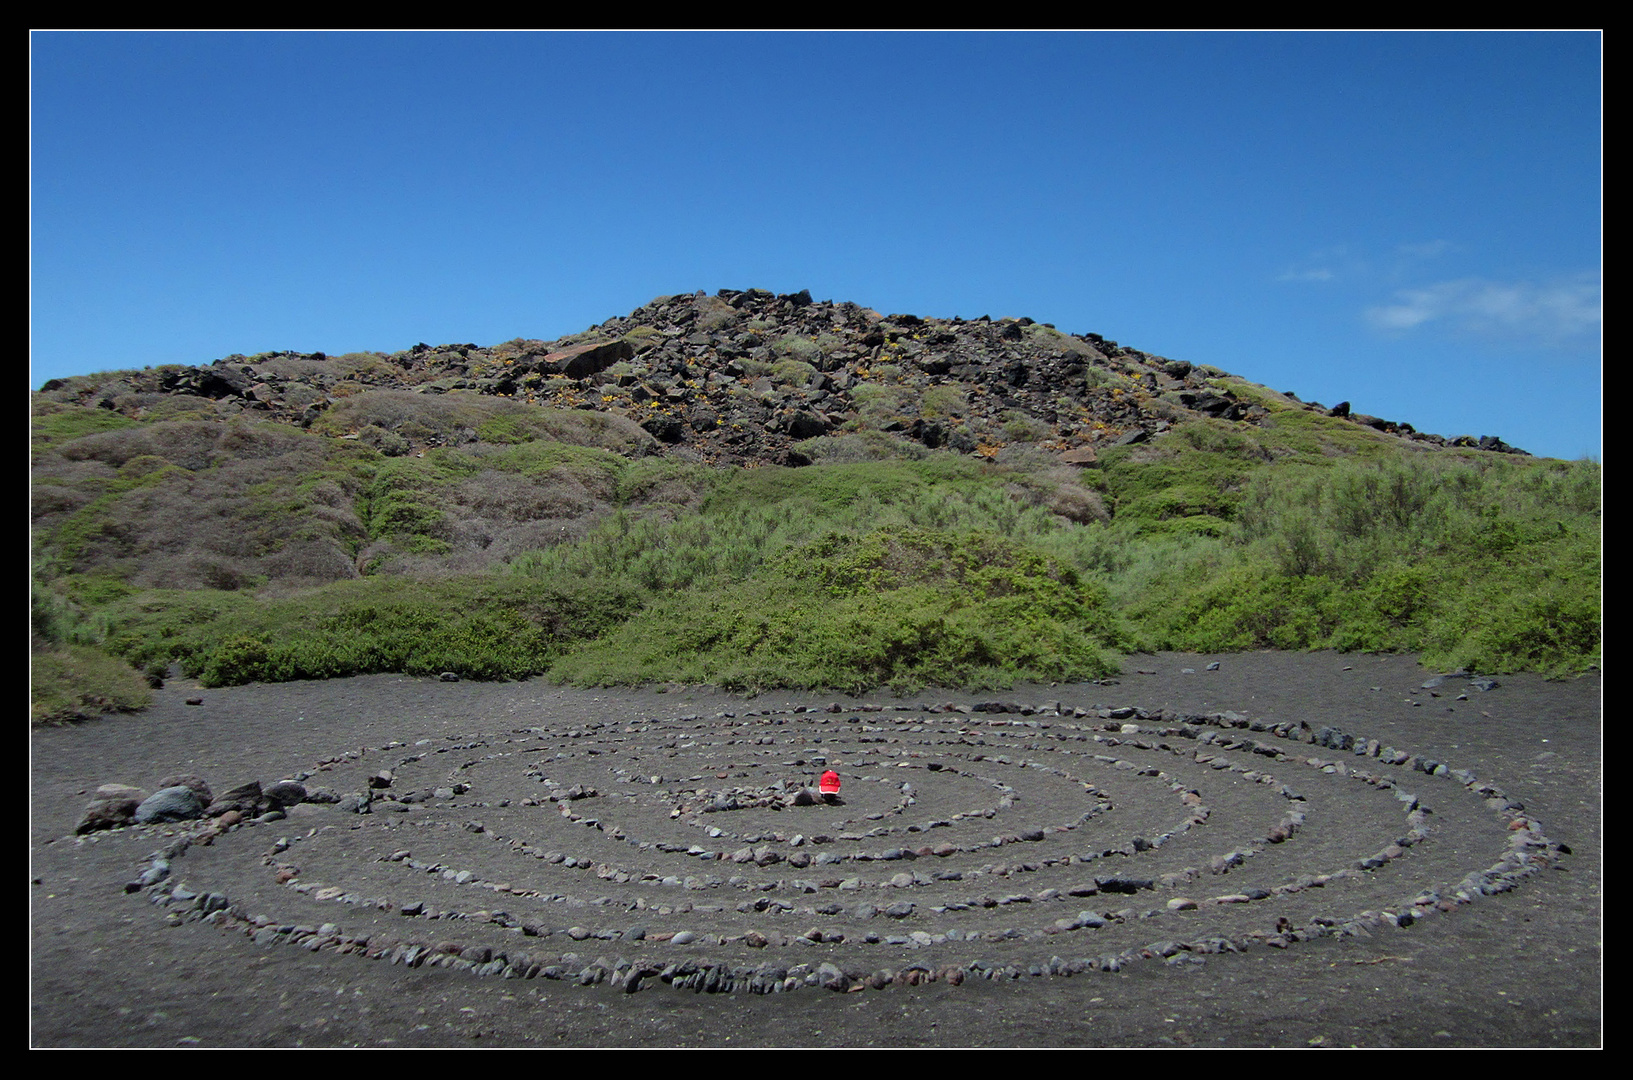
[
  {"x": 188, "y": 780},
  {"x": 177, "y": 803},
  {"x": 286, "y": 793}
]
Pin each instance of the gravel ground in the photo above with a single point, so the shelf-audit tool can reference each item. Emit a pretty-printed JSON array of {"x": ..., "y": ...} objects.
[{"x": 1036, "y": 812}]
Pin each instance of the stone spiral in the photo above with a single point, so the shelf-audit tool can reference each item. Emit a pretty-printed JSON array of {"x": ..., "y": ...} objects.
[{"x": 995, "y": 842}]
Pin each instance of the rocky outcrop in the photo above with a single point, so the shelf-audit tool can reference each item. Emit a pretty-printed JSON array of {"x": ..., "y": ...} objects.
[{"x": 747, "y": 376}]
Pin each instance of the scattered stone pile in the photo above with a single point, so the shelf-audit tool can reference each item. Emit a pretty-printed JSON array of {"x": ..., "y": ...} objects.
[{"x": 186, "y": 798}]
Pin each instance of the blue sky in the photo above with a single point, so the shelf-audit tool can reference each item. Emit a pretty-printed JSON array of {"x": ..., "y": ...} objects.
[{"x": 1410, "y": 222}]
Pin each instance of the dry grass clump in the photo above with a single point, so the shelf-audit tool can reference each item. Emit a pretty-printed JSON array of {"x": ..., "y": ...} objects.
[
  {"x": 187, "y": 443},
  {"x": 460, "y": 419}
]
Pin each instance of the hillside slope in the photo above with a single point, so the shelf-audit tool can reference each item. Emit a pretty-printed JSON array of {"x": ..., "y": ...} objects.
[{"x": 755, "y": 490}]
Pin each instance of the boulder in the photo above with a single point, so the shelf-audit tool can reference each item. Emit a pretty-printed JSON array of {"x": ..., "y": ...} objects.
[
  {"x": 286, "y": 793},
  {"x": 189, "y": 780},
  {"x": 245, "y": 798},
  {"x": 179, "y": 803},
  {"x": 112, "y": 807}
]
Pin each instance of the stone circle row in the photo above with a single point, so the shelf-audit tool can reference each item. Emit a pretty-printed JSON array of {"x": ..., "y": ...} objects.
[{"x": 711, "y": 961}]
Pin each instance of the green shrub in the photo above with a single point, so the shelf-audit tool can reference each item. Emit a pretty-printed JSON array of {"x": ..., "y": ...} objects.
[
  {"x": 766, "y": 633},
  {"x": 714, "y": 314},
  {"x": 1491, "y": 564},
  {"x": 401, "y": 501},
  {"x": 639, "y": 338},
  {"x": 905, "y": 608},
  {"x": 854, "y": 447},
  {"x": 482, "y": 627},
  {"x": 802, "y": 349},
  {"x": 1020, "y": 427},
  {"x": 77, "y": 682},
  {"x": 944, "y": 401},
  {"x": 388, "y": 443},
  {"x": 792, "y": 371}
]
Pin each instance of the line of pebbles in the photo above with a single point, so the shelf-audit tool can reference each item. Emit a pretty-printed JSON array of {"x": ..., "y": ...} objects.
[{"x": 1202, "y": 739}]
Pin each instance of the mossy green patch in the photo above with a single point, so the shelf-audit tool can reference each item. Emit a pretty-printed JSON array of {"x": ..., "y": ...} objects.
[
  {"x": 78, "y": 682},
  {"x": 54, "y": 423}
]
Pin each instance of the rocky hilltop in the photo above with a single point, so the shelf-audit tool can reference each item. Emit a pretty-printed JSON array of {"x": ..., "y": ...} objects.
[{"x": 749, "y": 377}]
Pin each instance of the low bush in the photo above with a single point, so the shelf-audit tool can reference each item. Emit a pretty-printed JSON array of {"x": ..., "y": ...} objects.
[
  {"x": 79, "y": 682},
  {"x": 482, "y": 627},
  {"x": 1488, "y": 564},
  {"x": 853, "y": 612}
]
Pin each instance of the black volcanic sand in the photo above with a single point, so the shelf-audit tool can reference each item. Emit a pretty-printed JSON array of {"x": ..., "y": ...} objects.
[{"x": 1522, "y": 968}]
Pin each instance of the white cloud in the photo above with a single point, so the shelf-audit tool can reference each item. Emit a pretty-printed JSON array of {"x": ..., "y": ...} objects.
[
  {"x": 1427, "y": 250},
  {"x": 1326, "y": 264},
  {"x": 1549, "y": 312},
  {"x": 1413, "y": 308}
]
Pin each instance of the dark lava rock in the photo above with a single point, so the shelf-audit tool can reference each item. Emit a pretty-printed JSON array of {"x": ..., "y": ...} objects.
[{"x": 179, "y": 803}]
